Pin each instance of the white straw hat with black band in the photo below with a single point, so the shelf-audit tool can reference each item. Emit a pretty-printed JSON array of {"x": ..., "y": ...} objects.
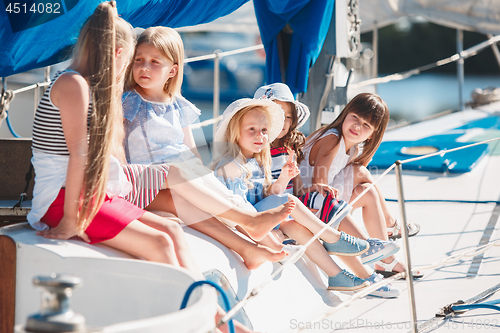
[
  {"x": 275, "y": 112},
  {"x": 281, "y": 92}
]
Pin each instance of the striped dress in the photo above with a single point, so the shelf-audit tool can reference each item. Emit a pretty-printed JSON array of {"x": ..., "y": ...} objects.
[{"x": 147, "y": 181}]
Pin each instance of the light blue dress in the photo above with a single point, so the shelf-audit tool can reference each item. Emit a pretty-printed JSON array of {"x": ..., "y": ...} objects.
[
  {"x": 255, "y": 195},
  {"x": 153, "y": 131}
]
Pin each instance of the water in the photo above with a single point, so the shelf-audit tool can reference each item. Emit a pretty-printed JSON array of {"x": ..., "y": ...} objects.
[
  {"x": 423, "y": 95},
  {"x": 412, "y": 99}
]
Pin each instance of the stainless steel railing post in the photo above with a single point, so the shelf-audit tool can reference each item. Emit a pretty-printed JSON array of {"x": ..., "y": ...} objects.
[
  {"x": 406, "y": 245},
  {"x": 460, "y": 69},
  {"x": 216, "y": 104}
]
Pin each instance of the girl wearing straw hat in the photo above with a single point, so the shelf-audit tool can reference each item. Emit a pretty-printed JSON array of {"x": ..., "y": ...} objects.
[{"x": 243, "y": 156}]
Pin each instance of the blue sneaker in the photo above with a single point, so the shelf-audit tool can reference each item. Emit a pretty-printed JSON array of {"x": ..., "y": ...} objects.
[
  {"x": 347, "y": 245},
  {"x": 387, "y": 291},
  {"x": 379, "y": 250},
  {"x": 345, "y": 281}
]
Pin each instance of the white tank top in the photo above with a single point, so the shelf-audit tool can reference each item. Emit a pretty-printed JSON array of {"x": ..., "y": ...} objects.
[{"x": 338, "y": 164}]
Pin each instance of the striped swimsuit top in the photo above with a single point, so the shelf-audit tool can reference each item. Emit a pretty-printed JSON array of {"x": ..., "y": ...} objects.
[{"x": 48, "y": 135}]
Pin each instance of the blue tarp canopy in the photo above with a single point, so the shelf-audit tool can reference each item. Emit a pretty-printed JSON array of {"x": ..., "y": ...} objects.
[
  {"x": 293, "y": 33},
  {"x": 36, "y": 34}
]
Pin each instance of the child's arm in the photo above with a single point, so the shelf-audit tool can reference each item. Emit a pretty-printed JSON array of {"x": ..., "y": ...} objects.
[
  {"x": 71, "y": 95},
  {"x": 189, "y": 141},
  {"x": 327, "y": 149},
  {"x": 229, "y": 171},
  {"x": 289, "y": 171}
]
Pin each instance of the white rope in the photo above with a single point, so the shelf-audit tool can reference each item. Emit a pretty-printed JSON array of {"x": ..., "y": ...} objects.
[{"x": 454, "y": 258}]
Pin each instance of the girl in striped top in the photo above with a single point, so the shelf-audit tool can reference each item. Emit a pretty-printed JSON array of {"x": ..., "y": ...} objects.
[{"x": 78, "y": 182}]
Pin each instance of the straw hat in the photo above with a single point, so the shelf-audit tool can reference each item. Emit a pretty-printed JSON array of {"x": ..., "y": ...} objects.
[
  {"x": 281, "y": 92},
  {"x": 275, "y": 111}
]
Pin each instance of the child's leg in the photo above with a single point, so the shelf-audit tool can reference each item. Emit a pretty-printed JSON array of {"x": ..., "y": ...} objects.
[
  {"x": 208, "y": 194},
  {"x": 141, "y": 240},
  {"x": 305, "y": 217},
  {"x": 373, "y": 216},
  {"x": 373, "y": 212},
  {"x": 174, "y": 230},
  {"x": 375, "y": 200},
  {"x": 389, "y": 218},
  {"x": 355, "y": 265},
  {"x": 253, "y": 256},
  {"x": 271, "y": 242},
  {"x": 316, "y": 252}
]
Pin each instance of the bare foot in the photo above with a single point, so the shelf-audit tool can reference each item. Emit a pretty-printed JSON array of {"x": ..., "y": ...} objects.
[
  {"x": 263, "y": 222},
  {"x": 254, "y": 258}
]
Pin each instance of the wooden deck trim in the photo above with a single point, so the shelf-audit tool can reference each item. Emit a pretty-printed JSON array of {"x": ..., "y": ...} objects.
[{"x": 8, "y": 257}]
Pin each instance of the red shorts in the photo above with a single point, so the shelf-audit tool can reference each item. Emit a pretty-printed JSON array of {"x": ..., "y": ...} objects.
[{"x": 113, "y": 216}]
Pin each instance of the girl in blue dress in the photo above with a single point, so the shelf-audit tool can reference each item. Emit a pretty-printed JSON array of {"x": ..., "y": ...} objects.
[{"x": 159, "y": 144}]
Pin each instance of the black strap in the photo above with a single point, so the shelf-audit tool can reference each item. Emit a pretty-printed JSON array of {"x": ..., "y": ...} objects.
[{"x": 24, "y": 195}]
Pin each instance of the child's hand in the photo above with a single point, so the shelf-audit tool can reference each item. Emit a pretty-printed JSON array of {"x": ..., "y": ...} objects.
[
  {"x": 64, "y": 230},
  {"x": 325, "y": 189},
  {"x": 290, "y": 170}
]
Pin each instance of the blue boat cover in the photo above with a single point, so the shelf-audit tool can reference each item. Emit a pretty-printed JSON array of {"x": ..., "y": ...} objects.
[
  {"x": 309, "y": 20},
  {"x": 39, "y": 33},
  {"x": 460, "y": 161}
]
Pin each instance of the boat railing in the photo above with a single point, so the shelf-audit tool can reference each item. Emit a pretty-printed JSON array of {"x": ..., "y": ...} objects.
[
  {"x": 465, "y": 54},
  {"x": 397, "y": 166}
]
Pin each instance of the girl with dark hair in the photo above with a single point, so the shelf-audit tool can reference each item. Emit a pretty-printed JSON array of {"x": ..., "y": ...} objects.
[{"x": 338, "y": 154}]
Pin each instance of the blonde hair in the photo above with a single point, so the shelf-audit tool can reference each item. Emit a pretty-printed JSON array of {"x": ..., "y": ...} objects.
[
  {"x": 96, "y": 47},
  {"x": 232, "y": 151},
  {"x": 369, "y": 107},
  {"x": 169, "y": 43}
]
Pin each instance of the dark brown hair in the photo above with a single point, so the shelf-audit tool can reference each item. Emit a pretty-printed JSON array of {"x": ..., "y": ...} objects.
[
  {"x": 294, "y": 139},
  {"x": 369, "y": 107}
]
